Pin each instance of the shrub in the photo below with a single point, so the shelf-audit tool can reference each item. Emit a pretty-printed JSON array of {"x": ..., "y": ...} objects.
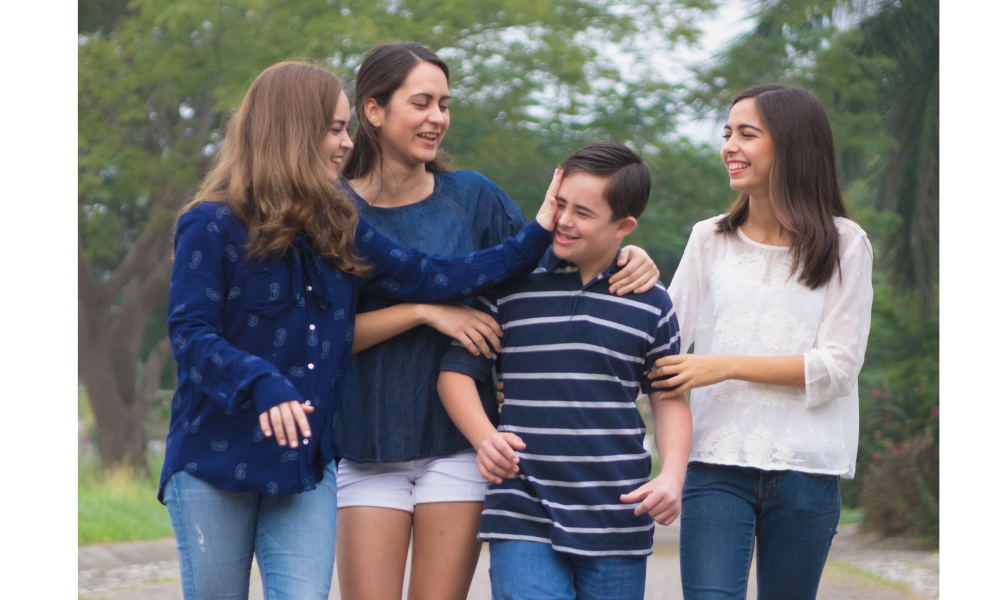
[{"x": 900, "y": 493}]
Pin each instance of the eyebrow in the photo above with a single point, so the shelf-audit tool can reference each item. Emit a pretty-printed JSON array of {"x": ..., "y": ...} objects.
[
  {"x": 577, "y": 207},
  {"x": 336, "y": 121},
  {"x": 430, "y": 96},
  {"x": 744, "y": 125}
]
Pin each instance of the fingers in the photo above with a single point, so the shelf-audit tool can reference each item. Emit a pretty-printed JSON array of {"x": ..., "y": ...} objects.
[
  {"x": 547, "y": 213},
  {"x": 300, "y": 418},
  {"x": 489, "y": 321},
  {"x": 265, "y": 424},
  {"x": 484, "y": 471},
  {"x": 637, "y": 494},
  {"x": 499, "y": 389},
  {"x": 288, "y": 420},
  {"x": 277, "y": 425},
  {"x": 514, "y": 440},
  {"x": 641, "y": 287}
]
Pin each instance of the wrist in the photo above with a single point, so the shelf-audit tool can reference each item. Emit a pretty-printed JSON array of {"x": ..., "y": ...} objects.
[{"x": 480, "y": 437}]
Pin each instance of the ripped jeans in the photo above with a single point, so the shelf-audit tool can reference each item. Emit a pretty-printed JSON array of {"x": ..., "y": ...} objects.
[{"x": 218, "y": 532}]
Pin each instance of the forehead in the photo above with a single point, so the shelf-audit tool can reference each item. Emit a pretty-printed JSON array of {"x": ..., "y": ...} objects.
[
  {"x": 744, "y": 111},
  {"x": 425, "y": 78},
  {"x": 342, "y": 112},
  {"x": 585, "y": 189}
]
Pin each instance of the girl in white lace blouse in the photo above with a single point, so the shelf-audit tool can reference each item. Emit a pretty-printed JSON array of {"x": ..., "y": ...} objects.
[{"x": 776, "y": 297}]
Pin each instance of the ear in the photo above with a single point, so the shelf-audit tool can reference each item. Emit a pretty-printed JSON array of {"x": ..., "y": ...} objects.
[
  {"x": 374, "y": 112},
  {"x": 625, "y": 227}
]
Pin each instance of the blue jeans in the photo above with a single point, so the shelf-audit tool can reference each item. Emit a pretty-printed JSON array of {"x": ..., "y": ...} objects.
[
  {"x": 218, "y": 532},
  {"x": 533, "y": 570},
  {"x": 792, "y": 515}
]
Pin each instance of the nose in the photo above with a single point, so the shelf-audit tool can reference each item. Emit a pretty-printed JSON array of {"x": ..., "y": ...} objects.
[
  {"x": 563, "y": 218},
  {"x": 436, "y": 115},
  {"x": 346, "y": 142},
  {"x": 729, "y": 146}
]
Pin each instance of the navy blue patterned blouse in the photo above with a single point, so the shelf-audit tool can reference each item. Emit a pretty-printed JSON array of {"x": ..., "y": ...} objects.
[{"x": 249, "y": 335}]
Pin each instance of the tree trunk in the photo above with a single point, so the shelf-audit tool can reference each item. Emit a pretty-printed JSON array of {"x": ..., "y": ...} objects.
[{"x": 112, "y": 320}]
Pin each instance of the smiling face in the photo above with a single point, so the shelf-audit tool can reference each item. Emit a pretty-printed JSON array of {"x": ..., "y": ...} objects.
[
  {"x": 336, "y": 142},
  {"x": 416, "y": 118},
  {"x": 585, "y": 233},
  {"x": 748, "y": 151}
]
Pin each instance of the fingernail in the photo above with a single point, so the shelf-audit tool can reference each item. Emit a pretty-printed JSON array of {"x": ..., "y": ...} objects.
[{"x": 295, "y": 444}]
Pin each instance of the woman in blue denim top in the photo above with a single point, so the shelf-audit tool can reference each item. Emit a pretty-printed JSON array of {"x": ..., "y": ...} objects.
[
  {"x": 269, "y": 260},
  {"x": 406, "y": 468}
]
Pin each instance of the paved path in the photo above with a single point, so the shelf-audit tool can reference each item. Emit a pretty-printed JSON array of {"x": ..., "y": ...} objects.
[{"x": 860, "y": 567}]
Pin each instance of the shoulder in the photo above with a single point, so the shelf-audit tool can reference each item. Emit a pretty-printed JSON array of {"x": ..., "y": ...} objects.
[
  {"x": 707, "y": 229},
  {"x": 657, "y": 298},
  {"x": 852, "y": 237},
  {"x": 474, "y": 185},
  {"x": 209, "y": 218}
]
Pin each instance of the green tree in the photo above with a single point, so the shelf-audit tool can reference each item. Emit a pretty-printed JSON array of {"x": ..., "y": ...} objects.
[{"x": 159, "y": 78}]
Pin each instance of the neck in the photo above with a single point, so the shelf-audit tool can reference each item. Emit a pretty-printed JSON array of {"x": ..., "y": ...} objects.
[
  {"x": 762, "y": 223},
  {"x": 591, "y": 269},
  {"x": 394, "y": 183}
]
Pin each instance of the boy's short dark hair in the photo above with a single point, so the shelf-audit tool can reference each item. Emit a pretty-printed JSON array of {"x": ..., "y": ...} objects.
[{"x": 628, "y": 177}]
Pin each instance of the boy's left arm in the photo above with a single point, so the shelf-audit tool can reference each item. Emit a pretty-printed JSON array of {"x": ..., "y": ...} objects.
[{"x": 661, "y": 497}]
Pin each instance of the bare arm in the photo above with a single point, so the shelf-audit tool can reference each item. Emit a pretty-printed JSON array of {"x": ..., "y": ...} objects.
[
  {"x": 693, "y": 370},
  {"x": 472, "y": 328},
  {"x": 495, "y": 450},
  {"x": 661, "y": 497}
]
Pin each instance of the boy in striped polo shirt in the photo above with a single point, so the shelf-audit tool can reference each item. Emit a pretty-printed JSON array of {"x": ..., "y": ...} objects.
[{"x": 571, "y": 509}]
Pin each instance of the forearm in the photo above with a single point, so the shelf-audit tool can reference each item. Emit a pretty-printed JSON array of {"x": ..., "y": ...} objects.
[
  {"x": 672, "y": 433},
  {"x": 377, "y": 326},
  {"x": 770, "y": 370},
  {"x": 460, "y": 398}
]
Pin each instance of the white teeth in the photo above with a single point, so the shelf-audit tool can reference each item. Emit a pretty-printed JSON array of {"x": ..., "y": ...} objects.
[
  {"x": 737, "y": 165},
  {"x": 429, "y": 136}
]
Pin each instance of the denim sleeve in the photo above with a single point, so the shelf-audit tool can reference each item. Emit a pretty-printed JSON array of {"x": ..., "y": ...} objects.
[
  {"x": 215, "y": 367},
  {"x": 458, "y": 359},
  {"x": 507, "y": 221},
  {"x": 667, "y": 340},
  {"x": 418, "y": 277}
]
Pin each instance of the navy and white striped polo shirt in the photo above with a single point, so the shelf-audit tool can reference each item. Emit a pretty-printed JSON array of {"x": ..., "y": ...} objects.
[{"x": 573, "y": 362}]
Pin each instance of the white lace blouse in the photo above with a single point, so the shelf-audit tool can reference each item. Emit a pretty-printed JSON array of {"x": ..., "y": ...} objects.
[{"x": 736, "y": 296}]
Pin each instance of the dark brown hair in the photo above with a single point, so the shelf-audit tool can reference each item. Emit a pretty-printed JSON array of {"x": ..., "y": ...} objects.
[
  {"x": 805, "y": 195},
  {"x": 383, "y": 71},
  {"x": 271, "y": 173},
  {"x": 627, "y": 190}
]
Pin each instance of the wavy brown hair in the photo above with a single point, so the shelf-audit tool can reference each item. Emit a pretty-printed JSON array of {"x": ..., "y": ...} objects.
[
  {"x": 805, "y": 194},
  {"x": 383, "y": 71},
  {"x": 271, "y": 172}
]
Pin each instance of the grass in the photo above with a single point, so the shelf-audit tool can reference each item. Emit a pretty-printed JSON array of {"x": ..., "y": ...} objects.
[
  {"x": 118, "y": 506},
  {"x": 851, "y": 515}
]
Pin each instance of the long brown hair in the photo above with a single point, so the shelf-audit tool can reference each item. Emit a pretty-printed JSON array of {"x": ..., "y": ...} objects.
[
  {"x": 271, "y": 173},
  {"x": 805, "y": 194},
  {"x": 383, "y": 71}
]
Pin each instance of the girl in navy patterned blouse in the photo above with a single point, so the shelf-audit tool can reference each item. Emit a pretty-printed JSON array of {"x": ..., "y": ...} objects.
[{"x": 269, "y": 261}]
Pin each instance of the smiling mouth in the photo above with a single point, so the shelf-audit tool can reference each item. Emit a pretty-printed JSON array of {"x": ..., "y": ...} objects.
[
  {"x": 562, "y": 238},
  {"x": 337, "y": 160},
  {"x": 736, "y": 165},
  {"x": 430, "y": 137}
]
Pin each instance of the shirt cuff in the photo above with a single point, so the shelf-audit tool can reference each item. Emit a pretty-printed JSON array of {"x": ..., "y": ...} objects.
[
  {"x": 270, "y": 391},
  {"x": 474, "y": 366}
]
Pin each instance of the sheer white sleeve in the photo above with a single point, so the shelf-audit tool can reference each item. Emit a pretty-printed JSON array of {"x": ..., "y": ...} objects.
[
  {"x": 832, "y": 367},
  {"x": 685, "y": 287}
]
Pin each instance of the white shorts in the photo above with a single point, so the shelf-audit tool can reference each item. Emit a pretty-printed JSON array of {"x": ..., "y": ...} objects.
[{"x": 401, "y": 485}]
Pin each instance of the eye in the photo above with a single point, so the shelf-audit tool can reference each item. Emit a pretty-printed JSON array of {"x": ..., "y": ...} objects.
[
  {"x": 444, "y": 107},
  {"x": 726, "y": 135}
]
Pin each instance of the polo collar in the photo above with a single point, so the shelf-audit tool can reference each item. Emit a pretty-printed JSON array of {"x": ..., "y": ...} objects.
[{"x": 550, "y": 262}]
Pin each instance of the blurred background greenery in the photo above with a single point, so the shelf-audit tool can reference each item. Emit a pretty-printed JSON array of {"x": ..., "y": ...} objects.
[{"x": 533, "y": 80}]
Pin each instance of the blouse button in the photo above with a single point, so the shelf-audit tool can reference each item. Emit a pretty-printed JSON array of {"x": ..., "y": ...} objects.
[
  {"x": 308, "y": 403},
  {"x": 312, "y": 327},
  {"x": 309, "y": 288},
  {"x": 305, "y": 441},
  {"x": 311, "y": 366}
]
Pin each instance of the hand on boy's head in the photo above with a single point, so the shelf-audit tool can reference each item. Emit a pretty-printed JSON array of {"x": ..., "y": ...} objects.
[
  {"x": 546, "y": 216},
  {"x": 639, "y": 274},
  {"x": 496, "y": 458},
  {"x": 661, "y": 498}
]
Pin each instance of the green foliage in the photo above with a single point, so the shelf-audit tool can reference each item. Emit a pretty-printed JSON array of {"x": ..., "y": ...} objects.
[{"x": 119, "y": 505}]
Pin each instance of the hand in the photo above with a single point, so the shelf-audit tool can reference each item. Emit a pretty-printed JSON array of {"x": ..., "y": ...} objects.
[
  {"x": 689, "y": 371},
  {"x": 472, "y": 328},
  {"x": 496, "y": 457},
  {"x": 639, "y": 274},
  {"x": 546, "y": 216},
  {"x": 283, "y": 418},
  {"x": 499, "y": 389},
  {"x": 661, "y": 498}
]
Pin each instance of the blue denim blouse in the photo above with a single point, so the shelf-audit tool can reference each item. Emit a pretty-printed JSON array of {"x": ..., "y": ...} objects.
[
  {"x": 250, "y": 334},
  {"x": 391, "y": 411}
]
